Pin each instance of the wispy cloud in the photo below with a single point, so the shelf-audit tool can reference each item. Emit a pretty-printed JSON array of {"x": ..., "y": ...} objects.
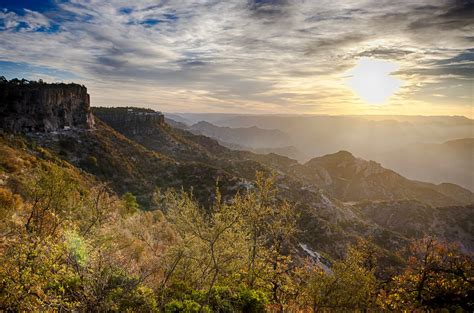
[{"x": 263, "y": 56}]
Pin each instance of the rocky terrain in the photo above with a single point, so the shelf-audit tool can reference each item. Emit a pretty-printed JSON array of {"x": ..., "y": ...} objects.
[{"x": 412, "y": 218}]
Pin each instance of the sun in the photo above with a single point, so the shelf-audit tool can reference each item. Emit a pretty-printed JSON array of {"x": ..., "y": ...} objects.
[{"x": 372, "y": 81}]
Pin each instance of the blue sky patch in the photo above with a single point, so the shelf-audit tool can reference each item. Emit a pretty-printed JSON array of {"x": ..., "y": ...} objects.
[
  {"x": 18, "y": 6},
  {"x": 126, "y": 10},
  {"x": 31, "y": 72},
  {"x": 150, "y": 22}
]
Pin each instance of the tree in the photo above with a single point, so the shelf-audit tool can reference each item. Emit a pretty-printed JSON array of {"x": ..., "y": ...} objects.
[
  {"x": 247, "y": 239},
  {"x": 350, "y": 285},
  {"x": 269, "y": 226},
  {"x": 437, "y": 276},
  {"x": 211, "y": 245},
  {"x": 34, "y": 270},
  {"x": 130, "y": 203}
]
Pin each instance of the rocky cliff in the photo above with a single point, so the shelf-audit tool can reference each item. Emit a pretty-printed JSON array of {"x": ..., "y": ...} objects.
[
  {"x": 39, "y": 107},
  {"x": 131, "y": 121}
]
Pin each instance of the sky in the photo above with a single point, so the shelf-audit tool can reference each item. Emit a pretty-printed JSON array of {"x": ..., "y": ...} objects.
[{"x": 250, "y": 56}]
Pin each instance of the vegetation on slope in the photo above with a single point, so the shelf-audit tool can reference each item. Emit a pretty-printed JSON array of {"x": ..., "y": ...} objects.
[
  {"x": 129, "y": 166},
  {"x": 70, "y": 243}
]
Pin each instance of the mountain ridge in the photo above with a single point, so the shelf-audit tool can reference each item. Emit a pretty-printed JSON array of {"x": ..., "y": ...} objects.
[
  {"x": 250, "y": 137},
  {"x": 355, "y": 179}
]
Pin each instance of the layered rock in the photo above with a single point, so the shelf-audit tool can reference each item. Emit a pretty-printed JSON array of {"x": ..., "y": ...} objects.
[
  {"x": 40, "y": 107},
  {"x": 131, "y": 121}
]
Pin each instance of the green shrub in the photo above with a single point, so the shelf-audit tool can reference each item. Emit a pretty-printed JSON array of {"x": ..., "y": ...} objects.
[
  {"x": 221, "y": 299},
  {"x": 130, "y": 204},
  {"x": 123, "y": 293},
  {"x": 186, "y": 306},
  {"x": 252, "y": 301},
  {"x": 76, "y": 247}
]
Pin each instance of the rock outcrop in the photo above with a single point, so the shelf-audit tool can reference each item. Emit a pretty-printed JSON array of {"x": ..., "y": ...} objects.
[
  {"x": 131, "y": 121},
  {"x": 39, "y": 107}
]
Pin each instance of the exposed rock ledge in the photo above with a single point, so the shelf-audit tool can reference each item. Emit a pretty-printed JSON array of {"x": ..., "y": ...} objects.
[
  {"x": 39, "y": 107},
  {"x": 131, "y": 121}
]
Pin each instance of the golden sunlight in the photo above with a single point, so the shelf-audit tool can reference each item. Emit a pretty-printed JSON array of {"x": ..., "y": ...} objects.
[{"x": 372, "y": 81}]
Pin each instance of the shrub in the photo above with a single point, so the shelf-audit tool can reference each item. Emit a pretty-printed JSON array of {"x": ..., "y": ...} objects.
[
  {"x": 130, "y": 203},
  {"x": 186, "y": 306},
  {"x": 252, "y": 301}
]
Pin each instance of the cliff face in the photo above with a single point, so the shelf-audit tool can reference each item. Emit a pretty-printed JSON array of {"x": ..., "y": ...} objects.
[
  {"x": 131, "y": 121},
  {"x": 38, "y": 107}
]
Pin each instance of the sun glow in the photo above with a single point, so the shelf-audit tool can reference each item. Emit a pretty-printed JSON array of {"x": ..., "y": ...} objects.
[{"x": 372, "y": 81}]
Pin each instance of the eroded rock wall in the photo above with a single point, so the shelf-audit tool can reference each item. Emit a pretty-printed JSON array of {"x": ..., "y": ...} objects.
[
  {"x": 40, "y": 107},
  {"x": 131, "y": 121}
]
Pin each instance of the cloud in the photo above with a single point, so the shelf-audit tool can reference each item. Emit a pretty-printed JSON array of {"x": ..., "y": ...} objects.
[
  {"x": 452, "y": 15},
  {"x": 28, "y": 21},
  {"x": 259, "y": 54}
]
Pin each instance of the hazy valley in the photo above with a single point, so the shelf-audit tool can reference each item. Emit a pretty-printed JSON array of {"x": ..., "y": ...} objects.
[{"x": 436, "y": 149}]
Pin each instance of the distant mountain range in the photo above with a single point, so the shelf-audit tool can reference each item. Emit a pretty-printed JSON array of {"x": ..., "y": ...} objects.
[
  {"x": 251, "y": 137},
  {"x": 410, "y": 145}
]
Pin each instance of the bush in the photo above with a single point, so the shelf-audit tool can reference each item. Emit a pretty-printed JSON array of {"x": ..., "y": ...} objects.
[
  {"x": 121, "y": 292},
  {"x": 8, "y": 203},
  {"x": 252, "y": 301},
  {"x": 221, "y": 299},
  {"x": 130, "y": 204},
  {"x": 187, "y": 306}
]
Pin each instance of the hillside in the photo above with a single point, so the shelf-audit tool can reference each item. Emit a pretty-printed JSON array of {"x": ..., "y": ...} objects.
[
  {"x": 342, "y": 175},
  {"x": 352, "y": 179},
  {"x": 150, "y": 154},
  {"x": 130, "y": 167},
  {"x": 410, "y": 145},
  {"x": 413, "y": 219}
]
